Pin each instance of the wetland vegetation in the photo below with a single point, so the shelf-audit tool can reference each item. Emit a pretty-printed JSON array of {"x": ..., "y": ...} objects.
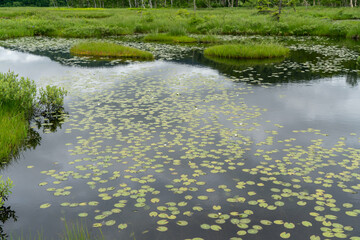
[
  {"x": 247, "y": 51},
  {"x": 253, "y": 139},
  {"x": 86, "y": 23},
  {"x": 19, "y": 103},
  {"x": 110, "y": 50}
]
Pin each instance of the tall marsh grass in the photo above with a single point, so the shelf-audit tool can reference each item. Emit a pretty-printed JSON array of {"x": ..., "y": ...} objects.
[
  {"x": 13, "y": 128},
  {"x": 247, "y": 51},
  {"x": 105, "y": 49},
  {"x": 169, "y": 38},
  {"x": 73, "y": 231},
  {"x": 85, "y": 23}
]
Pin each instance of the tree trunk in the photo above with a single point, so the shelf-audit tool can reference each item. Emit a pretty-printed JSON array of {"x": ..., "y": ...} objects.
[
  {"x": 94, "y": 3},
  {"x": 142, "y": 3},
  {"x": 351, "y": 3},
  {"x": 236, "y": 3},
  {"x": 171, "y": 3},
  {"x": 279, "y": 13},
  {"x": 150, "y": 4},
  {"x": 194, "y": 5},
  {"x": 130, "y": 3}
]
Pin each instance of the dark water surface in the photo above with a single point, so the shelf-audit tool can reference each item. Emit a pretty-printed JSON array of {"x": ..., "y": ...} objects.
[{"x": 193, "y": 148}]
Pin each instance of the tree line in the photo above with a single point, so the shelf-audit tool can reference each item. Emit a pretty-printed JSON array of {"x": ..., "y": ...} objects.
[{"x": 171, "y": 3}]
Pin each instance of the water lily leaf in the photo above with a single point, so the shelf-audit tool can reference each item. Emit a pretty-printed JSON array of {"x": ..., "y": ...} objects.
[
  {"x": 306, "y": 223},
  {"x": 110, "y": 222},
  {"x": 285, "y": 235},
  {"x": 162, "y": 222},
  {"x": 45, "y": 205},
  {"x": 215, "y": 227},
  {"x": 122, "y": 226},
  {"x": 82, "y": 214},
  {"x": 182, "y": 223},
  {"x": 289, "y": 225},
  {"x": 162, "y": 228}
]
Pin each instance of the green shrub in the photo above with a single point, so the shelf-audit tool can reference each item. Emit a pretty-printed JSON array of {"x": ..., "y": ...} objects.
[
  {"x": 183, "y": 13},
  {"x": 147, "y": 17},
  {"x": 19, "y": 103},
  {"x": 17, "y": 91},
  {"x": 4, "y": 190},
  {"x": 51, "y": 98}
]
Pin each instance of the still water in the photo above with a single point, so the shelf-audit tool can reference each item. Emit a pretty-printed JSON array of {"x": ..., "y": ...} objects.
[{"x": 186, "y": 147}]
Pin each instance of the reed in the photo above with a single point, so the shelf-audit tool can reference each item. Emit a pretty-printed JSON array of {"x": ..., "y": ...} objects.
[
  {"x": 105, "y": 49},
  {"x": 247, "y": 51}
]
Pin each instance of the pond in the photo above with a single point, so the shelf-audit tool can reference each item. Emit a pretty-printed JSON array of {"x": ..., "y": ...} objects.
[{"x": 186, "y": 147}]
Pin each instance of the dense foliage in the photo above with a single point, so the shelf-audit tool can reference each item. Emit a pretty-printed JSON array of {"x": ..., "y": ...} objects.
[
  {"x": 22, "y": 92},
  {"x": 88, "y": 23},
  {"x": 5, "y": 187},
  {"x": 170, "y": 3},
  {"x": 18, "y": 104}
]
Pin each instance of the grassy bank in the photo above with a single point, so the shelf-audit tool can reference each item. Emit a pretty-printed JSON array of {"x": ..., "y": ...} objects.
[
  {"x": 247, "y": 51},
  {"x": 13, "y": 128},
  {"x": 63, "y": 22},
  {"x": 19, "y": 101},
  {"x": 104, "y": 49}
]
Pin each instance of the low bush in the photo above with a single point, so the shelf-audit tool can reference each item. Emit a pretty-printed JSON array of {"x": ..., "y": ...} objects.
[
  {"x": 5, "y": 187},
  {"x": 19, "y": 102}
]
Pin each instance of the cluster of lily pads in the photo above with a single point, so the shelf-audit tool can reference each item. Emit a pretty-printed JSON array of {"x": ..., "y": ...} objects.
[
  {"x": 180, "y": 151},
  {"x": 159, "y": 153}
]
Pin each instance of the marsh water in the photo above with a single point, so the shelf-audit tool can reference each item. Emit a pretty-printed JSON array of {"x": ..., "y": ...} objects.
[{"x": 187, "y": 147}]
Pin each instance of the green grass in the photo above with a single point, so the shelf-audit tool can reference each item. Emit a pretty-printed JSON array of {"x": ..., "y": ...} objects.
[
  {"x": 79, "y": 231},
  {"x": 87, "y": 23},
  {"x": 105, "y": 49},
  {"x": 13, "y": 129},
  {"x": 18, "y": 102},
  {"x": 169, "y": 38},
  {"x": 247, "y": 51}
]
